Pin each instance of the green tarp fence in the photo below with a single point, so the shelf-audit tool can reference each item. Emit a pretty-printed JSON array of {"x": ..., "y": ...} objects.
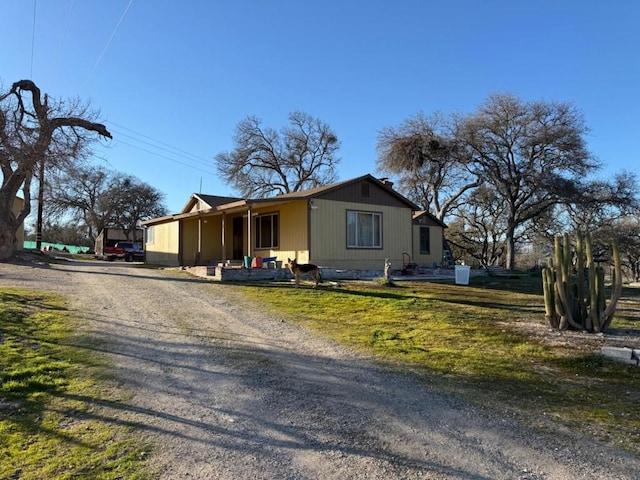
[{"x": 30, "y": 245}]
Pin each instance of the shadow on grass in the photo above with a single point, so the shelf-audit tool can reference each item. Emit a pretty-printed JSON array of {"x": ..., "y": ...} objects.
[
  {"x": 373, "y": 291},
  {"x": 525, "y": 283}
]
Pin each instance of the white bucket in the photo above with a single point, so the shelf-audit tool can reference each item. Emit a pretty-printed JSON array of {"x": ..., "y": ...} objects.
[{"x": 462, "y": 274}]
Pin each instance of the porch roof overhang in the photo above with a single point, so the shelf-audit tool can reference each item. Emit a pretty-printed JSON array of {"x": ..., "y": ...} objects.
[{"x": 240, "y": 206}]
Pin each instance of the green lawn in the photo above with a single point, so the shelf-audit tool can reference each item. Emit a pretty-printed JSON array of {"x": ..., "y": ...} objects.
[
  {"x": 468, "y": 340},
  {"x": 50, "y": 391}
]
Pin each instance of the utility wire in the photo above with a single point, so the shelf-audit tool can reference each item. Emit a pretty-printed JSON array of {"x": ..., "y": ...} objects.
[
  {"x": 170, "y": 148},
  {"x": 64, "y": 37},
  {"x": 106, "y": 47},
  {"x": 33, "y": 38},
  {"x": 167, "y": 158},
  {"x": 190, "y": 160}
]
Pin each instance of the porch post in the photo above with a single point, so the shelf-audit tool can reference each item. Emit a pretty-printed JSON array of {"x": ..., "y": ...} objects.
[
  {"x": 249, "y": 231},
  {"x": 222, "y": 242},
  {"x": 199, "y": 252}
]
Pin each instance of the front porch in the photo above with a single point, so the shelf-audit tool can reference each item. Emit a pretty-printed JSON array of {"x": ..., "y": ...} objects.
[{"x": 230, "y": 272}]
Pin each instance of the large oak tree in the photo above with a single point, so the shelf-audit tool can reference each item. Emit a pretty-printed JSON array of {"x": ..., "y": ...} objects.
[
  {"x": 266, "y": 162},
  {"x": 431, "y": 168},
  {"x": 34, "y": 130},
  {"x": 531, "y": 153}
]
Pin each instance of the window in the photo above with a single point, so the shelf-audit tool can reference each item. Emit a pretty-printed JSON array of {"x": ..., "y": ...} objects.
[
  {"x": 149, "y": 235},
  {"x": 424, "y": 240},
  {"x": 267, "y": 231},
  {"x": 364, "y": 230}
]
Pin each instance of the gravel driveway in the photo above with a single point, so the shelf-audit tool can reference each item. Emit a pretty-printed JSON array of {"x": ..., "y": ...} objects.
[{"x": 227, "y": 392}]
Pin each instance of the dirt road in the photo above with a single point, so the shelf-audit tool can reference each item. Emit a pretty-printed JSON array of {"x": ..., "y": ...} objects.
[{"x": 227, "y": 392}]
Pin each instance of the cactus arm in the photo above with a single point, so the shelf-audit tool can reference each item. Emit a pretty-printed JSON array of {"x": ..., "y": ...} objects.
[
  {"x": 607, "y": 315},
  {"x": 593, "y": 289},
  {"x": 548, "y": 288},
  {"x": 563, "y": 284},
  {"x": 580, "y": 293}
]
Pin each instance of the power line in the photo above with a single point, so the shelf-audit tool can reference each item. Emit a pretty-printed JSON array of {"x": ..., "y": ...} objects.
[
  {"x": 167, "y": 158},
  {"x": 33, "y": 37},
  {"x": 106, "y": 47},
  {"x": 64, "y": 37},
  {"x": 190, "y": 160},
  {"x": 170, "y": 148}
]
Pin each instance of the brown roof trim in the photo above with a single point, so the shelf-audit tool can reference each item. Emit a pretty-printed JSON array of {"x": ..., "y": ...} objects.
[
  {"x": 315, "y": 192},
  {"x": 211, "y": 200},
  {"x": 220, "y": 204},
  {"x": 422, "y": 213}
]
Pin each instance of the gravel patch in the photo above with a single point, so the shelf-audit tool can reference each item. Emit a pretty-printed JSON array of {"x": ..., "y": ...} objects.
[{"x": 227, "y": 392}]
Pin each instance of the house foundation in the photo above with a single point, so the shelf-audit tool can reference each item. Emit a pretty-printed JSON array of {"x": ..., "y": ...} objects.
[{"x": 237, "y": 273}]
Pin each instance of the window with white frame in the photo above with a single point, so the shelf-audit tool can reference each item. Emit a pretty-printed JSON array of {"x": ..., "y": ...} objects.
[
  {"x": 149, "y": 233},
  {"x": 267, "y": 231},
  {"x": 364, "y": 229}
]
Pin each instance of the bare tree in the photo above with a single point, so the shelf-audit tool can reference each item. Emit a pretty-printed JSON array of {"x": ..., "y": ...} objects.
[
  {"x": 134, "y": 201},
  {"x": 97, "y": 198},
  {"x": 478, "y": 231},
  {"x": 32, "y": 130},
  {"x": 530, "y": 153},
  {"x": 424, "y": 155},
  {"x": 598, "y": 203},
  {"x": 265, "y": 162},
  {"x": 627, "y": 230},
  {"x": 82, "y": 194}
]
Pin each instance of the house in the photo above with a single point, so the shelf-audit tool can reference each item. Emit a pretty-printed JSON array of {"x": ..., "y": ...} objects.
[{"x": 353, "y": 224}]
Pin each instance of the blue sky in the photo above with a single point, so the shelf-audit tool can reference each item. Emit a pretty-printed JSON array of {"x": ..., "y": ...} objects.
[{"x": 172, "y": 79}]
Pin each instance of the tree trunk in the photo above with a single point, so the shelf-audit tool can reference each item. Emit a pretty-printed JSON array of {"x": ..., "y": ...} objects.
[
  {"x": 8, "y": 225},
  {"x": 510, "y": 263}
]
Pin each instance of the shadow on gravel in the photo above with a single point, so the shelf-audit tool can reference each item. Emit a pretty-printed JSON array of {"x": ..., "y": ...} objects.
[
  {"x": 202, "y": 390},
  {"x": 130, "y": 271},
  {"x": 286, "y": 402}
]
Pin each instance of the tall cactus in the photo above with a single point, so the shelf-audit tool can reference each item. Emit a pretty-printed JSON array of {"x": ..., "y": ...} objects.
[{"x": 572, "y": 302}]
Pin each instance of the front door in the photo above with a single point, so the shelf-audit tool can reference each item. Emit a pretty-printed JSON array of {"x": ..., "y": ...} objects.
[{"x": 238, "y": 243}]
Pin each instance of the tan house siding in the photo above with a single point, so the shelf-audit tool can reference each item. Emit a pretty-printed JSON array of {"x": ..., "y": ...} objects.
[
  {"x": 293, "y": 234},
  {"x": 189, "y": 241},
  {"x": 165, "y": 247},
  {"x": 212, "y": 240},
  {"x": 201, "y": 240},
  {"x": 435, "y": 246},
  {"x": 329, "y": 234},
  {"x": 436, "y": 240}
]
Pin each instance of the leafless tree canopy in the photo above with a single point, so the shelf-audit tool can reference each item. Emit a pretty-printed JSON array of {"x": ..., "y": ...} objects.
[
  {"x": 529, "y": 152},
  {"x": 97, "y": 198},
  {"x": 431, "y": 168},
  {"x": 266, "y": 162},
  {"x": 34, "y": 131},
  {"x": 531, "y": 155}
]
